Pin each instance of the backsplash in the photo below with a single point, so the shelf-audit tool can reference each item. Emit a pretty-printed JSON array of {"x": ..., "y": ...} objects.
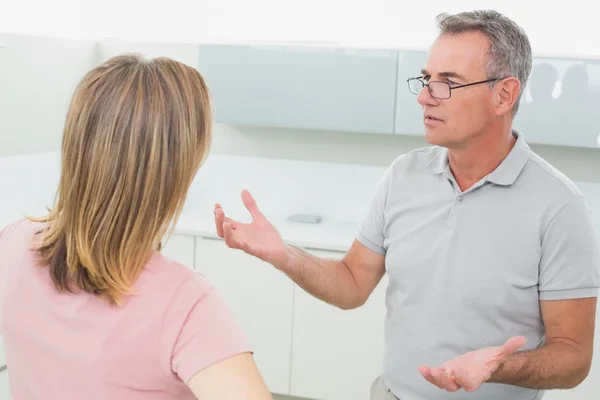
[
  {"x": 334, "y": 191},
  {"x": 339, "y": 192}
]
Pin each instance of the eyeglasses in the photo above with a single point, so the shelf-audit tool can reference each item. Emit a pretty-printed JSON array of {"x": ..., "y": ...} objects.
[{"x": 438, "y": 89}]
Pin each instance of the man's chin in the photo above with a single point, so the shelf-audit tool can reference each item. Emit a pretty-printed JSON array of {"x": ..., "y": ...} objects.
[{"x": 435, "y": 138}]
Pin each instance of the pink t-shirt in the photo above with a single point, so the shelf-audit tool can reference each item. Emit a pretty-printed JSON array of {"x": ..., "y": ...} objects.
[{"x": 75, "y": 346}]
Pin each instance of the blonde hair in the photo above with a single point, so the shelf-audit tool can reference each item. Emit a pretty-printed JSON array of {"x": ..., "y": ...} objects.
[{"x": 136, "y": 132}]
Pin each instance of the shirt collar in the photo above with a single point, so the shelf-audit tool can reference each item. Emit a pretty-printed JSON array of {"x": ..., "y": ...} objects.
[{"x": 505, "y": 174}]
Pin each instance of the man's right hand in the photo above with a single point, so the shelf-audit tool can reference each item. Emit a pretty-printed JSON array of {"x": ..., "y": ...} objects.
[{"x": 259, "y": 238}]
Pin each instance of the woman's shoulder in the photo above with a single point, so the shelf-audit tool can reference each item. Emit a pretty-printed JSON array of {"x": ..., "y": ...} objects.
[
  {"x": 19, "y": 229},
  {"x": 167, "y": 277}
]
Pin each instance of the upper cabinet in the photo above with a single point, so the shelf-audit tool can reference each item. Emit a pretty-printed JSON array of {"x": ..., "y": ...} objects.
[
  {"x": 366, "y": 91},
  {"x": 302, "y": 87},
  {"x": 409, "y": 114},
  {"x": 560, "y": 102}
]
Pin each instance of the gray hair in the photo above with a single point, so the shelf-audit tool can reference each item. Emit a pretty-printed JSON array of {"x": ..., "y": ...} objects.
[{"x": 510, "y": 49}]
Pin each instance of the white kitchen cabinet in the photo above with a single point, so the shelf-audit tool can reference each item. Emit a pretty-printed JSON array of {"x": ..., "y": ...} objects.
[
  {"x": 2, "y": 353},
  {"x": 336, "y": 353},
  {"x": 260, "y": 298},
  {"x": 4, "y": 387},
  {"x": 180, "y": 248},
  {"x": 338, "y": 89}
]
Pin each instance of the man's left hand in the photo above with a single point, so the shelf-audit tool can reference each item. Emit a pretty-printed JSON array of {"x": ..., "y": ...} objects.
[{"x": 471, "y": 369}]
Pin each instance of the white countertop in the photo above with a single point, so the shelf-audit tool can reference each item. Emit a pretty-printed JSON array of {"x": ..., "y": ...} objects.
[
  {"x": 326, "y": 235},
  {"x": 28, "y": 184}
]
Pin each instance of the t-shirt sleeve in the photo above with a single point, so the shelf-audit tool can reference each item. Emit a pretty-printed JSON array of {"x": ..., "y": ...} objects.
[
  {"x": 371, "y": 231},
  {"x": 201, "y": 329},
  {"x": 3, "y": 273},
  {"x": 8, "y": 244},
  {"x": 570, "y": 260},
  {"x": 4, "y": 233}
]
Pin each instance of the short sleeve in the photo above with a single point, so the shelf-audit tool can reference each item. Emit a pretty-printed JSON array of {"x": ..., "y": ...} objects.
[
  {"x": 371, "y": 232},
  {"x": 8, "y": 244},
  {"x": 3, "y": 273},
  {"x": 570, "y": 260},
  {"x": 4, "y": 233},
  {"x": 203, "y": 329}
]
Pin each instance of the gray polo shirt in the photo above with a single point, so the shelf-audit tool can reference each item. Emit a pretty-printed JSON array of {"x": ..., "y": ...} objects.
[{"x": 467, "y": 269}]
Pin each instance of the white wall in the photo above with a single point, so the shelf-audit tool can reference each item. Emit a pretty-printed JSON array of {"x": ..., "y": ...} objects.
[
  {"x": 581, "y": 164},
  {"x": 187, "y": 53},
  {"x": 562, "y": 30},
  {"x": 65, "y": 18},
  {"x": 37, "y": 79},
  {"x": 357, "y": 22}
]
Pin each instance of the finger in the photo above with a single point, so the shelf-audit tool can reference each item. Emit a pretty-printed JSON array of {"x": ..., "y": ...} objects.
[
  {"x": 220, "y": 214},
  {"x": 426, "y": 372},
  {"x": 251, "y": 205},
  {"x": 467, "y": 382},
  {"x": 219, "y": 217},
  {"x": 444, "y": 378},
  {"x": 230, "y": 240},
  {"x": 233, "y": 242},
  {"x": 513, "y": 344}
]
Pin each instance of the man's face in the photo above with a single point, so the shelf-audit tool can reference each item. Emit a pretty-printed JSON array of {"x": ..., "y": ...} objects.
[{"x": 457, "y": 60}]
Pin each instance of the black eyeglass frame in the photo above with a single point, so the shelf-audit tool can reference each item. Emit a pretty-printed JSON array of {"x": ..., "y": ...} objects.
[{"x": 450, "y": 87}]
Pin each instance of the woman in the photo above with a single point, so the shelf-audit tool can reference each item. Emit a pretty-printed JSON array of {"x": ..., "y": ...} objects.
[{"x": 89, "y": 308}]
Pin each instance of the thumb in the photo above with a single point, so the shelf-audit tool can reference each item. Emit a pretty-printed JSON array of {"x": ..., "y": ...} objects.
[
  {"x": 250, "y": 204},
  {"x": 513, "y": 344},
  {"x": 510, "y": 346}
]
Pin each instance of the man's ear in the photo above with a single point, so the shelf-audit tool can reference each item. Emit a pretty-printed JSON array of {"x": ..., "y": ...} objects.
[{"x": 506, "y": 95}]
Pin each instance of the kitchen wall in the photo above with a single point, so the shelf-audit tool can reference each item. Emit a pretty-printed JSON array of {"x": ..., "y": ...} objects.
[{"x": 37, "y": 78}]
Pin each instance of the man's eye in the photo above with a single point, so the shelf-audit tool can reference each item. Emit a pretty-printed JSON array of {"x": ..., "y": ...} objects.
[{"x": 452, "y": 83}]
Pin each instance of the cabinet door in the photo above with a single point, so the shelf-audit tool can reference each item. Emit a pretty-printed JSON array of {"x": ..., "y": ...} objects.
[
  {"x": 4, "y": 388},
  {"x": 336, "y": 354},
  {"x": 302, "y": 87},
  {"x": 561, "y": 95},
  {"x": 409, "y": 114},
  {"x": 180, "y": 248},
  {"x": 2, "y": 353},
  {"x": 260, "y": 298}
]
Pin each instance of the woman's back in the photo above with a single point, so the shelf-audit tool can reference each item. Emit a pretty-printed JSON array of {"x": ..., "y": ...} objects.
[
  {"x": 88, "y": 307},
  {"x": 76, "y": 346}
]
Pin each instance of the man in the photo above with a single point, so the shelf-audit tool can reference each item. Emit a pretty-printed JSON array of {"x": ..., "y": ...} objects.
[{"x": 488, "y": 248}]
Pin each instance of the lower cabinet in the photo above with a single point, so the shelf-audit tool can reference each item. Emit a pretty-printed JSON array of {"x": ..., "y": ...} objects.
[
  {"x": 303, "y": 346},
  {"x": 4, "y": 388},
  {"x": 336, "y": 353},
  {"x": 261, "y": 299}
]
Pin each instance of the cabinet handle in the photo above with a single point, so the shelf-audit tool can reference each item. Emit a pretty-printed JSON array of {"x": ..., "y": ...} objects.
[
  {"x": 211, "y": 238},
  {"x": 4, "y": 367}
]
